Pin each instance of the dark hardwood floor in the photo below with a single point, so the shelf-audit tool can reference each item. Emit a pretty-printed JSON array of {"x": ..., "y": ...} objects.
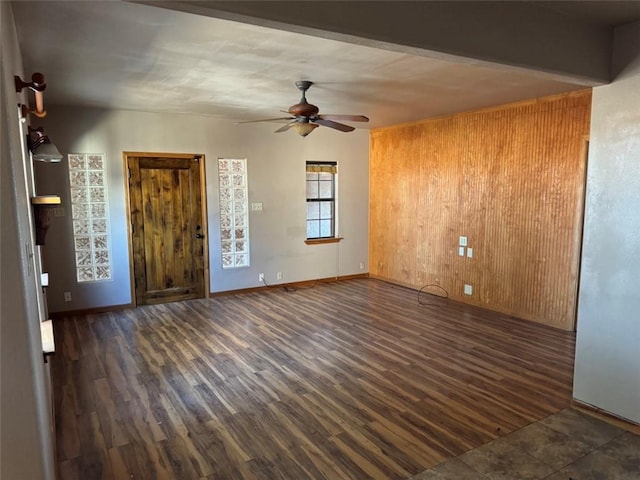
[{"x": 348, "y": 380}]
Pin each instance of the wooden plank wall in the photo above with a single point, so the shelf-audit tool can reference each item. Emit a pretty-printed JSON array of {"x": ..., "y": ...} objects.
[{"x": 509, "y": 178}]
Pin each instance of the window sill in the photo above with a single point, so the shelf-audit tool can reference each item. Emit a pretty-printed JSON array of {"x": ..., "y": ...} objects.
[{"x": 319, "y": 241}]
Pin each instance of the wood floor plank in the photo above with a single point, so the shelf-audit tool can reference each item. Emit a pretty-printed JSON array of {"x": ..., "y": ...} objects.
[
  {"x": 94, "y": 457},
  {"x": 141, "y": 414},
  {"x": 367, "y": 461},
  {"x": 68, "y": 447},
  {"x": 350, "y": 380},
  {"x": 69, "y": 469},
  {"x": 108, "y": 408},
  {"x": 372, "y": 449},
  {"x": 180, "y": 462},
  {"x": 81, "y": 385}
]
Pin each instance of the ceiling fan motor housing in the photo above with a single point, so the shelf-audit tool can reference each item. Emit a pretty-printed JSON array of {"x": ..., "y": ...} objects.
[{"x": 303, "y": 109}]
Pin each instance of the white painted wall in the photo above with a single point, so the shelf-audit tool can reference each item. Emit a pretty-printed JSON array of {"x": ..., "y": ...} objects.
[
  {"x": 26, "y": 447},
  {"x": 607, "y": 364},
  {"x": 276, "y": 173}
]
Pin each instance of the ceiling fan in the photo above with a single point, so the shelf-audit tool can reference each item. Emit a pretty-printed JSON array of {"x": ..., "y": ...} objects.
[{"x": 305, "y": 117}]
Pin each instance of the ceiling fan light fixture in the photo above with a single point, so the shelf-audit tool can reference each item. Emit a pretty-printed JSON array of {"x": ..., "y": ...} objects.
[
  {"x": 305, "y": 117},
  {"x": 305, "y": 129}
]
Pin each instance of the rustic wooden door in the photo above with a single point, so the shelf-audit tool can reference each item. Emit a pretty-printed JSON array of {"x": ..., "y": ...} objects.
[{"x": 167, "y": 228}]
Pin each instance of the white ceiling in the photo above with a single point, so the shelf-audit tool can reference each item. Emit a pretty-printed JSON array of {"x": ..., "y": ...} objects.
[{"x": 139, "y": 57}]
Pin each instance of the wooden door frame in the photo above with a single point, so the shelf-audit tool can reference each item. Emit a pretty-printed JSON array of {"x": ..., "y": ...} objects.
[
  {"x": 579, "y": 239},
  {"x": 204, "y": 221}
]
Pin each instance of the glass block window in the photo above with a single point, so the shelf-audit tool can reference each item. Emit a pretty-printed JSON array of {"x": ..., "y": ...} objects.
[
  {"x": 234, "y": 212},
  {"x": 321, "y": 200},
  {"x": 88, "y": 188}
]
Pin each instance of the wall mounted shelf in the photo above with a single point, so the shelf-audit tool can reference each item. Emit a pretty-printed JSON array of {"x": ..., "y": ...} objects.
[{"x": 48, "y": 342}]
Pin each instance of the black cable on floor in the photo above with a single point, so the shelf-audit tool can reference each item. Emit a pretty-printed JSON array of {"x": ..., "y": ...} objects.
[
  {"x": 430, "y": 304},
  {"x": 289, "y": 288}
]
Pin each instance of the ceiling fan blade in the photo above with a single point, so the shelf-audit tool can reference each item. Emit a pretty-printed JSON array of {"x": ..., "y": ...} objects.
[
  {"x": 338, "y": 126},
  {"x": 286, "y": 127},
  {"x": 280, "y": 119},
  {"x": 351, "y": 118}
]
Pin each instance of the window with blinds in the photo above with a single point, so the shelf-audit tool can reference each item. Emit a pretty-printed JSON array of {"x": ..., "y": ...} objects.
[{"x": 321, "y": 200}]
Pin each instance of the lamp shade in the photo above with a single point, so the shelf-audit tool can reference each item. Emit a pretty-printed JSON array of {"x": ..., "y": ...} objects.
[
  {"x": 41, "y": 147},
  {"x": 47, "y": 152},
  {"x": 304, "y": 129}
]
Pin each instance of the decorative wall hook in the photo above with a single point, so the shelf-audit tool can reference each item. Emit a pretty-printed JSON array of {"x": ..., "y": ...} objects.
[
  {"x": 38, "y": 85},
  {"x": 24, "y": 111}
]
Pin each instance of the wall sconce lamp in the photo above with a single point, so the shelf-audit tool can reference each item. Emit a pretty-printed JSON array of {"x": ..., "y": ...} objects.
[
  {"x": 38, "y": 86},
  {"x": 41, "y": 147}
]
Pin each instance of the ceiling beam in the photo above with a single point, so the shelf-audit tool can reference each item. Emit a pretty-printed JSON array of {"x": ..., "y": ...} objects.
[{"x": 514, "y": 34}]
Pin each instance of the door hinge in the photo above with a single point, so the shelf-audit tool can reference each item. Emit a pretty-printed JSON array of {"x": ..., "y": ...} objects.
[{"x": 129, "y": 170}]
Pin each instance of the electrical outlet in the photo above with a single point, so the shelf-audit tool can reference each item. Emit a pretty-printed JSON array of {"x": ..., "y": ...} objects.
[
  {"x": 261, "y": 277},
  {"x": 279, "y": 276},
  {"x": 67, "y": 296},
  {"x": 469, "y": 252},
  {"x": 468, "y": 289},
  {"x": 461, "y": 251},
  {"x": 361, "y": 265}
]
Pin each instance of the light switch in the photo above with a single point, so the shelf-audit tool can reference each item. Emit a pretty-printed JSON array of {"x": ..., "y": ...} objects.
[
  {"x": 256, "y": 206},
  {"x": 463, "y": 241},
  {"x": 468, "y": 289},
  {"x": 469, "y": 252},
  {"x": 461, "y": 251}
]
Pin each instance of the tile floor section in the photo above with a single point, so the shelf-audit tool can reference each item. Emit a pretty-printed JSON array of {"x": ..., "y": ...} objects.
[{"x": 569, "y": 445}]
